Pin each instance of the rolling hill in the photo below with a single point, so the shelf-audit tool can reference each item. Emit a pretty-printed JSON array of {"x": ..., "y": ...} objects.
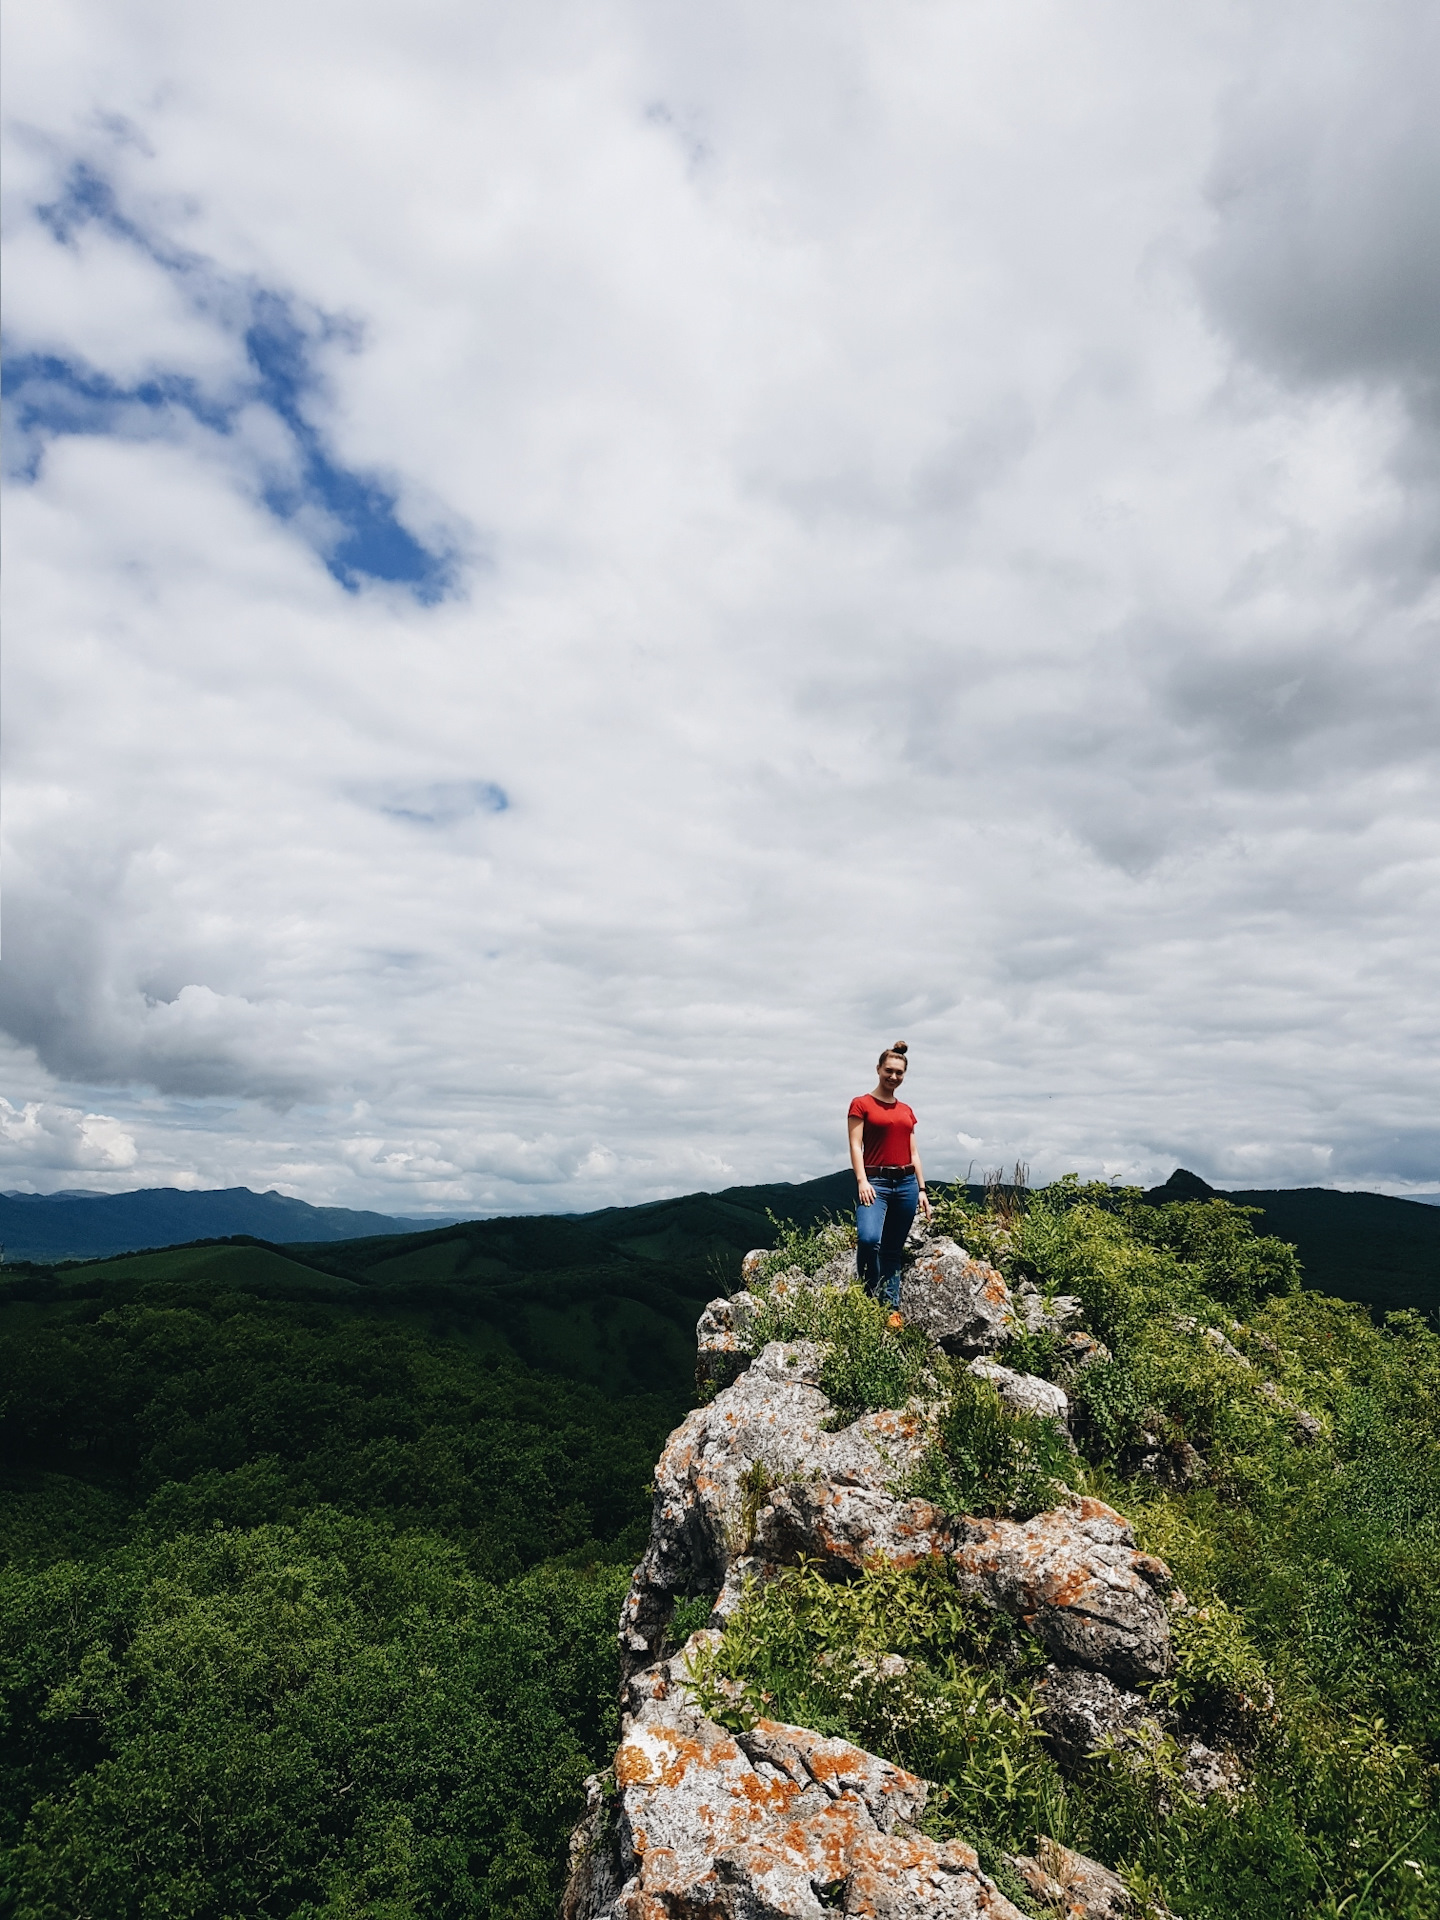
[
  {"x": 89, "y": 1226},
  {"x": 611, "y": 1297}
]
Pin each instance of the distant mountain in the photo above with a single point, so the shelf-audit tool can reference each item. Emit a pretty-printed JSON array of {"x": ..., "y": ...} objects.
[
  {"x": 91, "y": 1226},
  {"x": 1361, "y": 1246}
]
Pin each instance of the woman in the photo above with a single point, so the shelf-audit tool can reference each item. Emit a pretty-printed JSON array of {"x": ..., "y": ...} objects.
[{"x": 890, "y": 1182}]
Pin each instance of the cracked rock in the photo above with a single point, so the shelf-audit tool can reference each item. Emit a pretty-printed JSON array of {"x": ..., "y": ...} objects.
[
  {"x": 1078, "y": 1709},
  {"x": 1074, "y": 1577},
  {"x": 1033, "y": 1313},
  {"x": 1026, "y": 1392},
  {"x": 1070, "y": 1885},
  {"x": 767, "y": 1430},
  {"x": 963, "y": 1304},
  {"x": 721, "y": 1341},
  {"x": 776, "y": 1822}
]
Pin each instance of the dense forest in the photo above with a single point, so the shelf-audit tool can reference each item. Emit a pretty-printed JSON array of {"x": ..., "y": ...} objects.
[{"x": 313, "y": 1557}]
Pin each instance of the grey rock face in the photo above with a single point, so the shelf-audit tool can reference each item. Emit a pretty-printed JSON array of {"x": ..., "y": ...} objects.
[
  {"x": 704, "y": 1825},
  {"x": 1078, "y": 1709},
  {"x": 722, "y": 1340},
  {"x": 1074, "y": 1576},
  {"x": 1209, "y": 1770},
  {"x": 843, "y": 1525},
  {"x": 839, "y": 1272},
  {"x": 754, "y": 1481},
  {"x": 963, "y": 1304},
  {"x": 1080, "y": 1350},
  {"x": 1026, "y": 1393},
  {"x": 1063, "y": 1311},
  {"x": 1180, "y": 1465},
  {"x": 1078, "y": 1888},
  {"x": 763, "y": 1432},
  {"x": 697, "y": 1823}
]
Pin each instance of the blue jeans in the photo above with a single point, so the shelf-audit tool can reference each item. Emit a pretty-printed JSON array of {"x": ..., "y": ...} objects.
[{"x": 882, "y": 1230}]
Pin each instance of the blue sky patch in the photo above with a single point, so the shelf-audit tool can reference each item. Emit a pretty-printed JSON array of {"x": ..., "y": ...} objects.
[
  {"x": 440, "y": 803},
  {"x": 350, "y": 518}
]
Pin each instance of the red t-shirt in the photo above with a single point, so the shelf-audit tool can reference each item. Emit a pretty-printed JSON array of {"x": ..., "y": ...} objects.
[{"x": 887, "y": 1130}]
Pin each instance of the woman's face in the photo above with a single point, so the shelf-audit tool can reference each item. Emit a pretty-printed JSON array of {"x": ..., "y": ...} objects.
[{"x": 892, "y": 1072}]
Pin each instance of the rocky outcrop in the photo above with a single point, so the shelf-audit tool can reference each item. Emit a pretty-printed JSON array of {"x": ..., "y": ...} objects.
[
  {"x": 1024, "y": 1393},
  {"x": 1074, "y": 1577},
  {"x": 1037, "y": 1314},
  {"x": 963, "y": 1304},
  {"x": 723, "y": 1466},
  {"x": 701, "y": 1824},
  {"x": 1079, "y": 1709},
  {"x": 756, "y": 1480},
  {"x": 1072, "y": 1887},
  {"x": 723, "y": 1340}
]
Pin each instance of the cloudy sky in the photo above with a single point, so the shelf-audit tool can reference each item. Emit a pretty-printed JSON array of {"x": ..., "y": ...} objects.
[{"x": 573, "y": 570}]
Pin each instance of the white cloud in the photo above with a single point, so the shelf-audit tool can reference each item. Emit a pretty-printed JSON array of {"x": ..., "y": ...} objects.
[
  {"x": 926, "y": 575},
  {"x": 41, "y": 1141}
]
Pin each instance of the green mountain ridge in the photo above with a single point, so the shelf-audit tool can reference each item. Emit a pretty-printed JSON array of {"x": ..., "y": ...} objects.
[{"x": 611, "y": 1297}]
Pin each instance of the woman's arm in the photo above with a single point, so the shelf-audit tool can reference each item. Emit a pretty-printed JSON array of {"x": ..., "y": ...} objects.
[
  {"x": 864, "y": 1192},
  {"x": 920, "y": 1176}
]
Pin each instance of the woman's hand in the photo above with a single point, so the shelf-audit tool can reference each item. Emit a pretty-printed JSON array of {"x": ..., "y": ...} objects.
[
  {"x": 865, "y": 1193},
  {"x": 925, "y": 1203}
]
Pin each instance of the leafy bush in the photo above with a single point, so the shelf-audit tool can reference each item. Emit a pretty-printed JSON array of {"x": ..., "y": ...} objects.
[
  {"x": 868, "y": 1362},
  {"x": 806, "y": 1248},
  {"x": 990, "y": 1459}
]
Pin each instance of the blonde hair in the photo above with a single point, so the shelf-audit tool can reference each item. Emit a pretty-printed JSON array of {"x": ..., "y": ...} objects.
[{"x": 899, "y": 1048}]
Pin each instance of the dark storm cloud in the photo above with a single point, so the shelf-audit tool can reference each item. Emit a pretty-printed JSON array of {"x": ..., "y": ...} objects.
[{"x": 1326, "y": 261}]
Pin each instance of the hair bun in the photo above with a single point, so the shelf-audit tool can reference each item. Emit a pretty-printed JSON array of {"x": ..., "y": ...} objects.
[{"x": 900, "y": 1048}]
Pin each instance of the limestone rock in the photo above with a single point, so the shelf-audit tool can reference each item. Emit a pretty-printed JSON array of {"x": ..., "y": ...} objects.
[
  {"x": 594, "y": 1876},
  {"x": 1074, "y": 1577},
  {"x": 838, "y": 1272},
  {"x": 836, "y": 1768},
  {"x": 1071, "y": 1885},
  {"x": 842, "y": 1526},
  {"x": 962, "y": 1303},
  {"x": 1178, "y": 1465},
  {"x": 1078, "y": 1709},
  {"x": 1080, "y": 1350},
  {"x": 1026, "y": 1392},
  {"x": 1307, "y": 1428},
  {"x": 765, "y": 1431},
  {"x": 754, "y": 1481},
  {"x": 1035, "y": 1316},
  {"x": 776, "y": 1822},
  {"x": 722, "y": 1341}
]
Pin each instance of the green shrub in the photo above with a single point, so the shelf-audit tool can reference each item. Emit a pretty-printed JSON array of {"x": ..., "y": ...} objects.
[
  {"x": 808, "y": 1248},
  {"x": 990, "y": 1459},
  {"x": 868, "y": 1363}
]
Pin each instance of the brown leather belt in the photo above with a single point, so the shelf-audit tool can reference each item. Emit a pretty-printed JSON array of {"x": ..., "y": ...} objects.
[{"x": 910, "y": 1168}]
